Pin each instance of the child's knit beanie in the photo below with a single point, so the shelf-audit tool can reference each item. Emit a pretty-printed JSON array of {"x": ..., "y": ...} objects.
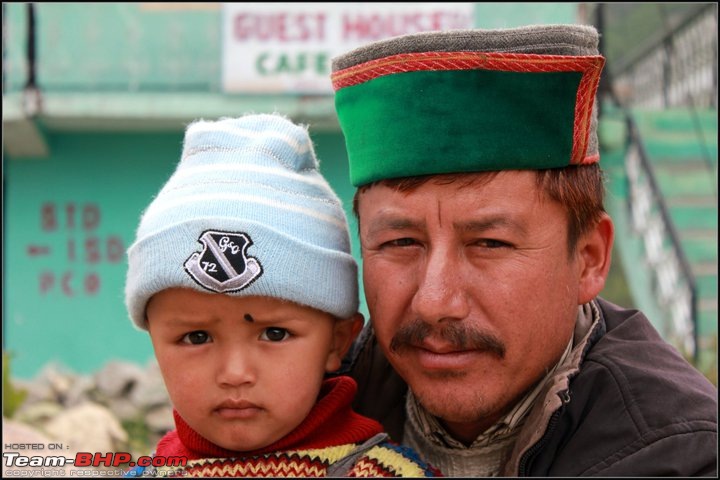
[{"x": 245, "y": 213}]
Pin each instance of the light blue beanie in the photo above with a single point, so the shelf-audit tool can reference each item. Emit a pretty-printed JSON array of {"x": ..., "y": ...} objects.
[{"x": 245, "y": 213}]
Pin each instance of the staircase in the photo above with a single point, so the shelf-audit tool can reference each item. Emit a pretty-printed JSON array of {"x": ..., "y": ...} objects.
[{"x": 681, "y": 147}]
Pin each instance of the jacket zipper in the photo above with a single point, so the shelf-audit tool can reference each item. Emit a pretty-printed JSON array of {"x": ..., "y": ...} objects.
[{"x": 532, "y": 451}]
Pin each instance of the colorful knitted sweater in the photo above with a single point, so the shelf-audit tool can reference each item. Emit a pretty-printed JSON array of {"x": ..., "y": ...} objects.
[{"x": 332, "y": 441}]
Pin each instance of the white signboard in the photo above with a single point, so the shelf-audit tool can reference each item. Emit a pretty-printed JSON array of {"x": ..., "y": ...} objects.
[{"x": 287, "y": 47}]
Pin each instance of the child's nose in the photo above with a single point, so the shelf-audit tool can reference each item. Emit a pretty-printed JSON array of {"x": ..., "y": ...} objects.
[{"x": 236, "y": 367}]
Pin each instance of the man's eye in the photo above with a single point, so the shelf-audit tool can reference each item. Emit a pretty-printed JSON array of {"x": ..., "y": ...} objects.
[
  {"x": 274, "y": 334},
  {"x": 400, "y": 242},
  {"x": 197, "y": 337},
  {"x": 491, "y": 243}
]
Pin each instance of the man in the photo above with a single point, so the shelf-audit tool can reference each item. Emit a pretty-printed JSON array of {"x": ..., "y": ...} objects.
[{"x": 485, "y": 245}]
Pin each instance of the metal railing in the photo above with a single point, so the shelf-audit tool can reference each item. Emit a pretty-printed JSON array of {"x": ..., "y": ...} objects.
[
  {"x": 673, "y": 280},
  {"x": 677, "y": 70}
]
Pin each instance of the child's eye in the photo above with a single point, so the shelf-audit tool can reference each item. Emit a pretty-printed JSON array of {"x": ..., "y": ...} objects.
[
  {"x": 197, "y": 337},
  {"x": 275, "y": 334}
]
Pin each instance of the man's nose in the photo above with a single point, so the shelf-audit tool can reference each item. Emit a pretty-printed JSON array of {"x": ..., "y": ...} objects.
[{"x": 441, "y": 290}]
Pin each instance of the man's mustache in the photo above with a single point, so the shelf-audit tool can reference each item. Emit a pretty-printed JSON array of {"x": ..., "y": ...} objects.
[{"x": 459, "y": 335}]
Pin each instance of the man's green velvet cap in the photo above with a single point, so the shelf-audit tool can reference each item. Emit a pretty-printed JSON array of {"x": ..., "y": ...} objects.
[{"x": 469, "y": 101}]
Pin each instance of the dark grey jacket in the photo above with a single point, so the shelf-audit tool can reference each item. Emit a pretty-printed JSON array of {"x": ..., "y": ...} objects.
[{"x": 632, "y": 407}]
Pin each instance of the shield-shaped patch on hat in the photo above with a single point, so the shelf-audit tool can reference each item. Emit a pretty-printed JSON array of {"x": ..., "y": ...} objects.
[{"x": 223, "y": 264}]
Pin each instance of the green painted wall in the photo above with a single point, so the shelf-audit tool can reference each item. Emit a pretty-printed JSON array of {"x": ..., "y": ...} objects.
[
  {"x": 68, "y": 220},
  {"x": 517, "y": 14},
  {"x": 113, "y": 46},
  {"x": 66, "y": 305}
]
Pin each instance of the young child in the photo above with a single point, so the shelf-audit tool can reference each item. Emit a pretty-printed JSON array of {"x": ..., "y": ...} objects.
[{"x": 242, "y": 274}]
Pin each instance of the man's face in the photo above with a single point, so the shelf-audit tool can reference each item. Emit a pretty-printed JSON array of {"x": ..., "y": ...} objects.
[{"x": 471, "y": 291}]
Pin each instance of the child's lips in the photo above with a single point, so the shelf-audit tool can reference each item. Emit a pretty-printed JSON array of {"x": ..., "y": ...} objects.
[{"x": 238, "y": 409}]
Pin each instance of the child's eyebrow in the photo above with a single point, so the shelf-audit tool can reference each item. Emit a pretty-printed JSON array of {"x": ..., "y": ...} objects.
[
  {"x": 272, "y": 318},
  {"x": 187, "y": 322}
]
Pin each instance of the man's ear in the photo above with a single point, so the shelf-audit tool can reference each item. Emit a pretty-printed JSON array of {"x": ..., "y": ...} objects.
[
  {"x": 594, "y": 254},
  {"x": 344, "y": 333}
]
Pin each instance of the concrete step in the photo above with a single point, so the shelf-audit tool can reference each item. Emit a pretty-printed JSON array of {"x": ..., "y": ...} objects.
[
  {"x": 679, "y": 135},
  {"x": 703, "y": 217},
  {"x": 707, "y": 323},
  {"x": 706, "y": 283},
  {"x": 700, "y": 250},
  {"x": 694, "y": 182},
  {"x": 705, "y": 201},
  {"x": 705, "y": 268},
  {"x": 677, "y": 120}
]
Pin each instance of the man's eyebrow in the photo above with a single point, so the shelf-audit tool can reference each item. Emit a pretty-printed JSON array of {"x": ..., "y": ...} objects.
[
  {"x": 390, "y": 222},
  {"x": 488, "y": 223}
]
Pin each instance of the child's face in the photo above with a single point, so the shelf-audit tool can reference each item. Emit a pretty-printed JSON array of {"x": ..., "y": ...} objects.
[{"x": 243, "y": 371}]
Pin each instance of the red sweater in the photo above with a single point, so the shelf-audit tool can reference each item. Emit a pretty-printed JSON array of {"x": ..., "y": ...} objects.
[
  {"x": 331, "y": 422},
  {"x": 325, "y": 443}
]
